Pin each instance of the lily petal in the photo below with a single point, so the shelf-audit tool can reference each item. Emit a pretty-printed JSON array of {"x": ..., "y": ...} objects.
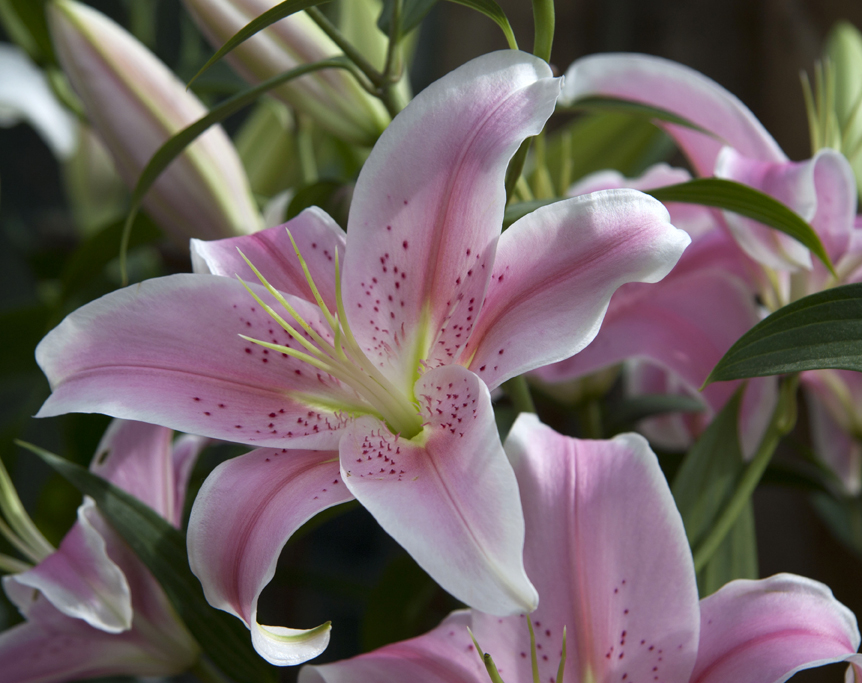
[
  {"x": 682, "y": 91},
  {"x": 822, "y": 190},
  {"x": 168, "y": 351},
  {"x": 590, "y": 245},
  {"x": 428, "y": 209},
  {"x": 80, "y": 579},
  {"x": 608, "y": 552},
  {"x": 695, "y": 220},
  {"x": 136, "y": 456},
  {"x": 245, "y": 512},
  {"x": 317, "y": 237},
  {"x": 444, "y": 655},
  {"x": 765, "y": 631},
  {"x": 448, "y": 496},
  {"x": 26, "y": 95},
  {"x": 55, "y": 648}
]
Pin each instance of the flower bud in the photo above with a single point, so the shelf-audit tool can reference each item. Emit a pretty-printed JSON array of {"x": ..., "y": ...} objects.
[
  {"x": 135, "y": 103},
  {"x": 844, "y": 50},
  {"x": 331, "y": 97}
]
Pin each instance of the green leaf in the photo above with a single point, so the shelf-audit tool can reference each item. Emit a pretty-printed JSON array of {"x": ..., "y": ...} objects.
[
  {"x": 702, "y": 487},
  {"x": 823, "y": 330},
  {"x": 494, "y": 12},
  {"x": 412, "y": 14},
  {"x": 162, "y": 548},
  {"x": 175, "y": 145},
  {"x": 516, "y": 211},
  {"x": 280, "y": 11},
  {"x": 735, "y": 558},
  {"x": 748, "y": 202},
  {"x": 611, "y": 105}
]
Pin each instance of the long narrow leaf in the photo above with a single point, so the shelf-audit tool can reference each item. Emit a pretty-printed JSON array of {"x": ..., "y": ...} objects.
[
  {"x": 608, "y": 105},
  {"x": 823, "y": 330},
  {"x": 162, "y": 548},
  {"x": 175, "y": 145},
  {"x": 493, "y": 11},
  {"x": 280, "y": 11},
  {"x": 746, "y": 201}
]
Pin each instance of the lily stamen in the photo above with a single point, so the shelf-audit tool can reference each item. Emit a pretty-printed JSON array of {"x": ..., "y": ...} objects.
[{"x": 341, "y": 358}]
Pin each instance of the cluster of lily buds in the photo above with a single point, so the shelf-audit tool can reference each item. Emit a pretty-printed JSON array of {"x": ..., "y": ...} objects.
[
  {"x": 333, "y": 98},
  {"x": 135, "y": 103}
]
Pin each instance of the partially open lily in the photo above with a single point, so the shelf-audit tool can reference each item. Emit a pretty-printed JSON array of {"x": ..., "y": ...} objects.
[
  {"x": 736, "y": 146},
  {"x": 91, "y": 607},
  {"x": 673, "y": 333},
  {"x": 388, "y": 360},
  {"x": 607, "y": 551},
  {"x": 822, "y": 190}
]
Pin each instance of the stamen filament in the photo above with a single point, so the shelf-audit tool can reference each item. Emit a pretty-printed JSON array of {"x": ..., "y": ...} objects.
[
  {"x": 18, "y": 518},
  {"x": 534, "y": 660},
  {"x": 344, "y": 359},
  {"x": 284, "y": 302},
  {"x": 12, "y": 565},
  {"x": 284, "y": 324},
  {"x": 333, "y": 323},
  {"x": 562, "y": 669},
  {"x": 19, "y": 544},
  {"x": 490, "y": 666}
]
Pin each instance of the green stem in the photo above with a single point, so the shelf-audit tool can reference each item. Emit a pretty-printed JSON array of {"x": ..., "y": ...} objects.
[
  {"x": 519, "y": 393},
  {"x": 590, "y": 418},
  {"x": 347, "y": 48},
  {"x": 516, "y": 166},
  {"x": 543, "y": 22},
  {"x": 204, "y": 670},
  {"x": 305, "y": 151},
  {"x": 783, "y": 420}
]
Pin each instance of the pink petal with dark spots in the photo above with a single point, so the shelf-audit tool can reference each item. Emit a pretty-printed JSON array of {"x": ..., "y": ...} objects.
[
  {"x": 608, "y": 554},
  {"x": 245, "y": 512},
  {"x": 317, "y": 236},
  {"x": 448, "y": 496},
  {"x": 428, "y": 209},
  {"x": 555, "y": 272},
  {"x": 168, "y": 351}
]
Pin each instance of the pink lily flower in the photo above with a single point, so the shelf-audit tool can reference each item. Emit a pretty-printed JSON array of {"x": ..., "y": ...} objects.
[
  {"x": 673, "y": 333},
  {"x": 91, "y": 607},
  {"x": 389, "y": 378},
  {"x": 615, "y": 571},
  {"x": 822, "y": 190},
  {"x": 135, "y": 104}
]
